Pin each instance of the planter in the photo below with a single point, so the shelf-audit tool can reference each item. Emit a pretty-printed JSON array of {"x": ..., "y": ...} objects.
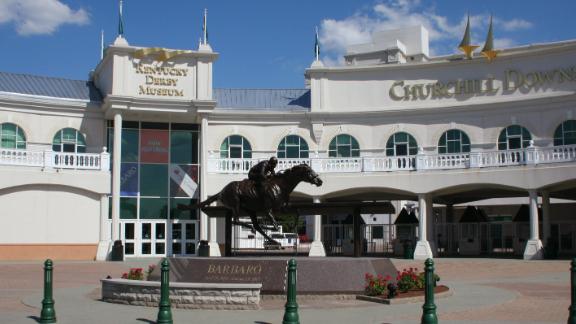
[{"x": 411, "y": 296}]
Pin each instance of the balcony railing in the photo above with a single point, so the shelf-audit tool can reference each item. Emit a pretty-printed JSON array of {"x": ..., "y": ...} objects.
[
  {"x": 527, "y": 156},
  {"x": 55, "y": 160}
]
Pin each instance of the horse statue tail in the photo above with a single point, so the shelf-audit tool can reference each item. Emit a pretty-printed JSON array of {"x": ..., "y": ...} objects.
[{"x": 208, "y": 201}]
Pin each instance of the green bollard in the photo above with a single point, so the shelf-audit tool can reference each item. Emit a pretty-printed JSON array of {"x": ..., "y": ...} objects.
[
  {"x": 572, "y": 308},
  {"x": 48, "y": 314},
  {"x": 164, "y": 310},
  {"x": 291, "y": 307},
  {"x": 429, "y": 308}
]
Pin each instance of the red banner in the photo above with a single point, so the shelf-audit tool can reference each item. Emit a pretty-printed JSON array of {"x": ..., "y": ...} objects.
[{"x": 154, "y": 146}]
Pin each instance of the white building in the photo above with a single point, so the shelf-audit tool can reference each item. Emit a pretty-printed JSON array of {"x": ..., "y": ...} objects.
[{"x": 393, "y": 124}]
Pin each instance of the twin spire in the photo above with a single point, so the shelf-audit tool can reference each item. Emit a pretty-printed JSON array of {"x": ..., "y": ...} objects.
[
  {"x": 203, "y": 41},
  {"x": 488, "y": 49}
]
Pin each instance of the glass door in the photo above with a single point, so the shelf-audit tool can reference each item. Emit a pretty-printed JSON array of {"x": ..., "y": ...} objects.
[{"x": 183, "y": 238}]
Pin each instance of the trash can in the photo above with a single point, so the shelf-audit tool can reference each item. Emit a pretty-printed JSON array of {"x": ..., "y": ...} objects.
[
  {"x": 203, "y": 249},
  {"x": 117, "y": 251},
  {"x": 408, "y": 250}
]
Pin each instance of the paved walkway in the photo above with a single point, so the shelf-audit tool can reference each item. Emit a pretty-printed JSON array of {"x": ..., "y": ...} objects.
[{"x": 484, "y": 291}]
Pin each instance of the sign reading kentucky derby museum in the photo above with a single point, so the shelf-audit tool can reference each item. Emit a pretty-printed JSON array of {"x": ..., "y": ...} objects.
[
  {"x": 161, "y": 81},
  {"x": 511, "y": 81}
]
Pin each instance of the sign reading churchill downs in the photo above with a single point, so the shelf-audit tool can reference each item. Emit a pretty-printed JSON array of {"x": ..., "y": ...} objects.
[
  {"x": 161, "y": 81},
  {"x": 512, "y": 80}
]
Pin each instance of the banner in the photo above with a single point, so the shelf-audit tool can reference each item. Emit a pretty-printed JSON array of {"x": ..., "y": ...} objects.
[
  {"x": 184, "y": 181},
  {"x": 129, "y": 179},
  {"x": 154, "y": 146}
]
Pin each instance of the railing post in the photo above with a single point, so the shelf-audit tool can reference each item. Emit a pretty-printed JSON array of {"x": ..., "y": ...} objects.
[
  {"x": 531, "y": 154},
  {"x": 48, "y": 314},
  {"x": 104, "y": 160},
  {"x": 475, "y": 159},
  {"x": 429, "y": 308},
  {"x": 572, "y": 308},
  {"x": 164, "y": 310},
  {"x": 48, "y": 159},
  {"x": 291, "y": 307},
  {"x": 420, "y": 159},
  {"x": 316, "y": 164}
]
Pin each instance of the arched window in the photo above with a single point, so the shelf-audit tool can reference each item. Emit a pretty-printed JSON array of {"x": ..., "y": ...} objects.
[
  {"x": 454, "y": 141},
  {"x": 514, "y": 137},
  {"x": 344, "y": 146},
  {"x": 292, "y": 147},
  {"x": 565, "y": 134},
  {"x": 401, "y": 144},
  {"x": 12, "y": 136},
  {"x": 235, "y": 147},
  {"x": 69, "y": 140}
]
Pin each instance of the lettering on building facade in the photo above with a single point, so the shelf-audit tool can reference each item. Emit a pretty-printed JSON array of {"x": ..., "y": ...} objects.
[
  {"x": 160, "y": 81},
  {"x": 512, "y": 80}
]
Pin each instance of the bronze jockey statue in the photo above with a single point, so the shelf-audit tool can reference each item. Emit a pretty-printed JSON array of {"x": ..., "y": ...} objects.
[{"x": 260, "y": 173}]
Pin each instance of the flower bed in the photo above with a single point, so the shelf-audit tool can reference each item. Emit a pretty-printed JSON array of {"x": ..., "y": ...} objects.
[{"x": 409, "y": 285}]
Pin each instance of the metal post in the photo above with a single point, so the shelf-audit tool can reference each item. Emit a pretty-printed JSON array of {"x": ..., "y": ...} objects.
[
  {"x": 291, "y": 307},
  {"x": 572, "y": 308},
  {"x": 48, "y": 314},
  {"x": 164, "y": 310},
  {"x": 429, "y": 308},
  {"x": 358, "y": 235},
  {"x": 228, "y": 234}
]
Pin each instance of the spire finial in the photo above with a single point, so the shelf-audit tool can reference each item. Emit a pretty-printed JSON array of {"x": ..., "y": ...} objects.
[
  {"x": 488, "y": 49},
  {"x": 465, "y": 45},
  {"x": 317, "y": 46},
  {"x": 120, "y": 20},
  {"x": 101, "y": 44},
  {"x": 205, "y": 27}
]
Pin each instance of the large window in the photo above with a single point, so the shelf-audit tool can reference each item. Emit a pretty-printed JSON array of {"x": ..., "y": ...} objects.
[
  {"x": 235, "y": 147},
  {"x": 158, "y": 169},
  {"x": 514, "y": 137},
  {"x": 454, "y": 141},
  {"x": 12, "y": 136},
  {"x": 401, "y": 144},
  {"x": 565, "y": 134},
  {"x": 69, "y": 140},
  {"x": 292, "y": 147},
  {"x": 344, "y": 146}
]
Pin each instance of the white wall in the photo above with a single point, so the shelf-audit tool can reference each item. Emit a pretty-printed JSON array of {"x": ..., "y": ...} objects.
[{"x": 49, "y": 214}]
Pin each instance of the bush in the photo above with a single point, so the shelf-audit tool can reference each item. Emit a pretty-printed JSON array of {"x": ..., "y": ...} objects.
[
  {"x": 375, "y": 286},
  {"x": 407, "y": 279}
]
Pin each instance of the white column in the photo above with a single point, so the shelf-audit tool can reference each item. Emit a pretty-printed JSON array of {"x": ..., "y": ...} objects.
[
  {"x": 116, "y": 176},
  {"x": 422, "y": 250},
  {"x": 545, "y": 216},
  {"x": 317, "y": 247},
  {"x": 533, "y": 249},
  {"x": 213, "y": 229},
  {"x": 104, "y": 242},
  {"x": 203, "y": 194},
  {"x": 430, "y": 224}
]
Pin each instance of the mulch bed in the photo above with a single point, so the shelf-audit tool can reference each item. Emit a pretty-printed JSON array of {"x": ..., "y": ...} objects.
[{"x": 405, "y": 297}]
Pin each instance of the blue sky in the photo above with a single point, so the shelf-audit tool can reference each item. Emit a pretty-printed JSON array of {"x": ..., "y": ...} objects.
[{"x": 262, "y": 43}]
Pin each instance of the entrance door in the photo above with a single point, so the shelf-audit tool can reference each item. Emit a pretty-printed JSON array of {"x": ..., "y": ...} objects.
[
  {"x": 153, "y": 238},
  {"x": 183, "y": 238}
]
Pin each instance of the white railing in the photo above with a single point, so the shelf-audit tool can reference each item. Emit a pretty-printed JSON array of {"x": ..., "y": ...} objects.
[
  {"x": 326, "y": 165},
  {"x": 443, "y": 161},
  {"x": 230, "y": 165},
  {"x": 527, "y": 156},
  {"x": 56, "y": 160},
  {"x": 389, "y": 163}
]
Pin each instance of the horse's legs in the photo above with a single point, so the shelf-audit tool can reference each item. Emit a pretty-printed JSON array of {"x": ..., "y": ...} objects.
[
  {"x": 259, "y": 229},
  {"x": 272, "y": 220}
]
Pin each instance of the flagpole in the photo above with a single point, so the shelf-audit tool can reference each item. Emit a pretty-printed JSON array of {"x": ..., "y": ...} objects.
[
  {"x": 205, "y": 26},
  {"x": 317, "y": 46},
  {"x": 101, "y": 44}
]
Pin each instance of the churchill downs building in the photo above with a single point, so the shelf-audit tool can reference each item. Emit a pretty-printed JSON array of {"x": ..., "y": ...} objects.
[{"x": 454, "y": 155}]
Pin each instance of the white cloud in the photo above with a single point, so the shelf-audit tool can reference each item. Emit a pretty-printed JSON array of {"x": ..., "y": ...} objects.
[
  {"x": 444, "y": 34},
  {"x": 38, "y": 17}
]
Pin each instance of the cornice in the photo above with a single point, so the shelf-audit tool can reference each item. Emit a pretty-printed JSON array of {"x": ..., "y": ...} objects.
[{"x": 49, "y": 105}]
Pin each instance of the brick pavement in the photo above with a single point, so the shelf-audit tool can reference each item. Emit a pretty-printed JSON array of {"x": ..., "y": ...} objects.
[{"x": 525, "y": 291}]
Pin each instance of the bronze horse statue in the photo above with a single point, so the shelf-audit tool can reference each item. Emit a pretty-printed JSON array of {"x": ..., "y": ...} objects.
[{"x": 242, "y": 195}]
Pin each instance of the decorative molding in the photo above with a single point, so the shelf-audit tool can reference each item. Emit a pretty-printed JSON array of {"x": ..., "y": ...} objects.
[{"x": 317, "y": 131}]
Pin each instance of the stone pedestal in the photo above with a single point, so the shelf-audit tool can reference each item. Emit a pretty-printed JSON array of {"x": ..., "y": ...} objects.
[
  {"x": 214, "y": 249},
  {"x": 534, "y": 250},
  {"x": 317, "y": 249},
  {"x": 422, "y": 251}
]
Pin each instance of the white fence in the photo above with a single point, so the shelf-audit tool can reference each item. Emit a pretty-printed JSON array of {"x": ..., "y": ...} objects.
[
  {"x": 527, "y": 156},
  {"x": 56, "y": 160}
]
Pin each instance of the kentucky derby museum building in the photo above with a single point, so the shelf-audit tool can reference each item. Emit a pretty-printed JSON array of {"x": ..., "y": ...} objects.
[{"x": 476, "y": 153}]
